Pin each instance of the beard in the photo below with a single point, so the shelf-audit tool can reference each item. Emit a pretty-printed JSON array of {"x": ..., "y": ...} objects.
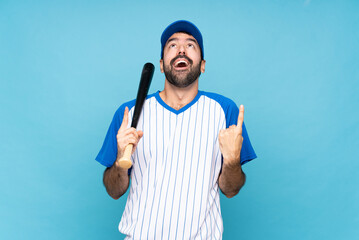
[{"x": 182, "y": 79}]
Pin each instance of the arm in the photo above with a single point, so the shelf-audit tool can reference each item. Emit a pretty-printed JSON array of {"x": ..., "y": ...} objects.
[
  {"x": 115, "y": 178},
  {"x": 231, "y": 178},
  {"x": 116, "y": 181}
]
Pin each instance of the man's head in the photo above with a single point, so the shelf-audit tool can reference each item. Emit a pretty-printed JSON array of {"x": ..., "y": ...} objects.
[
  {"x": 182, "y": 53},
  {"x": 182, "y": 26}
]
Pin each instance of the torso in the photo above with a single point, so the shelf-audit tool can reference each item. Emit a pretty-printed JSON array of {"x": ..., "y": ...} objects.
[{"x": 174, "y": 192}]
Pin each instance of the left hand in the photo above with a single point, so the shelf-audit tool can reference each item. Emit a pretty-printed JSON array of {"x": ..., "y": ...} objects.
[{"x": 230, "y": 141}]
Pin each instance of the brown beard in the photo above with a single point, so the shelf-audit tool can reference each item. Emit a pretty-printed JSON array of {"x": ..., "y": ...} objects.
[{"x": 179, "y": 79}]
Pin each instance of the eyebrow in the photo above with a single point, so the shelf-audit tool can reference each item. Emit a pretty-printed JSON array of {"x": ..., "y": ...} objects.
[{"x": 187, "y": 39}]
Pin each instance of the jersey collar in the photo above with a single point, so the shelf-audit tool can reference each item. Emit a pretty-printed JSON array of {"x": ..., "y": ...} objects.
[{"x": 184, "y": 108}]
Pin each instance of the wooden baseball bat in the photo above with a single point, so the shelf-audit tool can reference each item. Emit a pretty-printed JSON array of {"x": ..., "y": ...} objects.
[{"x": 145, "y": 82}]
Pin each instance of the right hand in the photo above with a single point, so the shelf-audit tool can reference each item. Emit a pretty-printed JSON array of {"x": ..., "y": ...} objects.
[{"x": 126, "y": 136}]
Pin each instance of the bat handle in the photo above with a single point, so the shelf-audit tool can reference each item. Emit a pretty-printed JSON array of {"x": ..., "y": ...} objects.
[{"x": 125, "y": 162}]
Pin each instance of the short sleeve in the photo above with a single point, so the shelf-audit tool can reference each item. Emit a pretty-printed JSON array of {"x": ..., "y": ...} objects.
[{"x": 108, "y": 153}]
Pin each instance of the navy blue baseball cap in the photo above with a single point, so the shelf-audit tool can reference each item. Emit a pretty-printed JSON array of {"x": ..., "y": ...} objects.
[{"x": 182, "y": 26}]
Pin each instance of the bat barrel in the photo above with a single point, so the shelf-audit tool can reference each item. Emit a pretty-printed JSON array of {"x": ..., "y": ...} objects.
[{"x": 146, "y": 78}]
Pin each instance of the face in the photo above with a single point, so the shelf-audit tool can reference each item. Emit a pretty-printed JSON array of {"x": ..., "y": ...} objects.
[{"x": 182, "y": 63}]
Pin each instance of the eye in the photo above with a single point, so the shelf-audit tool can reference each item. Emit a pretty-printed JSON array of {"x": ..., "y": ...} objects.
[
  {"x": 190, "y": 45},
  {"x": 172, "y": 45}
]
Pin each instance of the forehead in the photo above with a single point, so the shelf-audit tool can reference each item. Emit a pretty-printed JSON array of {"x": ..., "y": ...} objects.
[{"x": 181, "y": 36}]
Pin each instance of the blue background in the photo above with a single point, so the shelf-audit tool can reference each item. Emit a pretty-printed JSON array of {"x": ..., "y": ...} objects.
[{"x": 65, "y": 67}]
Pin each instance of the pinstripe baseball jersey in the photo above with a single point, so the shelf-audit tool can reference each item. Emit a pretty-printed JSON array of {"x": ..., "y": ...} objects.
[{"x": 174, "y": 192}]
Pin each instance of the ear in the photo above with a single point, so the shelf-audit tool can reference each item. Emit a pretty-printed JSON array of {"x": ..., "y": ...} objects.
[
  {"x": 161, "y": 65},
  {"x": 203, "y": 65}
]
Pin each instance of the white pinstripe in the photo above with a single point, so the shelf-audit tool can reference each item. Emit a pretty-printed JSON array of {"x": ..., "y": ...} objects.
[{"x": 174, "y": 192}]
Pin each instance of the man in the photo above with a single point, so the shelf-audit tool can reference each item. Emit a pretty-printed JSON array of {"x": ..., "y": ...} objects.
[{"x": 188, "y": 145}]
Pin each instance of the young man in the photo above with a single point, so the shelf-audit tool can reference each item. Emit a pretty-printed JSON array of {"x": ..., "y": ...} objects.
[{"x": 188, "y": 145}]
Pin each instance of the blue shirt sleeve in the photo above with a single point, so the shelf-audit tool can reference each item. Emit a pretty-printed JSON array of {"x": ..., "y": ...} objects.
[{"x": 108, "y": 153}]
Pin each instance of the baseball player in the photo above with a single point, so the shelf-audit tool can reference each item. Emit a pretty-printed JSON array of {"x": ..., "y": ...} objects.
[{"x": 188, "y": 145}]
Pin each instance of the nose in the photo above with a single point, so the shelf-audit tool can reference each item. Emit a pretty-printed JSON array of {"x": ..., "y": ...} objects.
[{"x": 181, "y": 50}]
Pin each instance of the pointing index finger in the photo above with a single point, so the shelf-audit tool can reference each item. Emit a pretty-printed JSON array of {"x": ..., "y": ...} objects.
[
  {"x": 124, "y": 120},
  {"x": 240, "y": 116}
]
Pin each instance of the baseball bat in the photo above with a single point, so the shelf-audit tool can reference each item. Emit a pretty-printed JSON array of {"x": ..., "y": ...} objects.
[{"x": 145, "y": 82}]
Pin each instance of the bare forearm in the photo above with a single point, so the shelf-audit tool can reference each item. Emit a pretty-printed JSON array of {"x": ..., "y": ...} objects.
[
  {"x": 116, "y": 181},
  {"x": 231, "y": 179}
]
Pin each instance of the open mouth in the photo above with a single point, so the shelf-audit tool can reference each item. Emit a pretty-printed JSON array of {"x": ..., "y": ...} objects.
[{"x": 181, "y": 64}]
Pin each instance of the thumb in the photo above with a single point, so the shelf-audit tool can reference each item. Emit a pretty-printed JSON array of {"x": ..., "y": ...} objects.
[{"x": 140, "y": 134}]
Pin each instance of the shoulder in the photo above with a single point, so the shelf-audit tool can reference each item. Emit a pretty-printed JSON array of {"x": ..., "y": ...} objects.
[
  {"x": 120, "y": 110},
  {"x": 228, "y": 106},
  {"x": 130, "y": 104},
  {"x": 224, "y": 102}
]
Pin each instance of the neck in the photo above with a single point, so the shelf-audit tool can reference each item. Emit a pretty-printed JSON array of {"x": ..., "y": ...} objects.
[{"x": 179, "y": 97}]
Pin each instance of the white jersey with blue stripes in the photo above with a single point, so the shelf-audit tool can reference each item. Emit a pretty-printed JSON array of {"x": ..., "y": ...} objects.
[{"x": 174, "y": 191}]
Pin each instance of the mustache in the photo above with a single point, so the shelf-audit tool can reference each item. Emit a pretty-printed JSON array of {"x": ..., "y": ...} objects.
[{"x": 181, "y": 56}]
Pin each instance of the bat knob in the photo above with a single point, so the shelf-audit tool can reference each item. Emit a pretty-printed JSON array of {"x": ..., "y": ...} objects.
[{"x": 125, "y": 162}]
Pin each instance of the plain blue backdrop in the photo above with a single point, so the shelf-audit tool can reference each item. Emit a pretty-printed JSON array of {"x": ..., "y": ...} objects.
[{"x": 66, "y": 66}]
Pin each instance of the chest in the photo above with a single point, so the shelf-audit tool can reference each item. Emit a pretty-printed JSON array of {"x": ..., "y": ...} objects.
[{"x": 197, "y": 126}]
